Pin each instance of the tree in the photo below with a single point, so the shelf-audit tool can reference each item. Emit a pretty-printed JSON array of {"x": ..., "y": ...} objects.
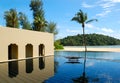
[
  {"x": 51, "y": 28},
  {"x": 11, "y": 18},
  {"x": 24, "y": 21},
  {"x": 38, "y": 15},
  {"x": 39, "y": 23},
  {"x": 81, "y": 18}
]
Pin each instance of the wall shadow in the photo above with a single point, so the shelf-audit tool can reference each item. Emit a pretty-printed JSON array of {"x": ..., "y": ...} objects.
[
  {"x": 41, "y": 59},
  {"x": 12, "y": 51},
  {"x": 13, "y": 66},
  {"x": 29, "y": 62}
]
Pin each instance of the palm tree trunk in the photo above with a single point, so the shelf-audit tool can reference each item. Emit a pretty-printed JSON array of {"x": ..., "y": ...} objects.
[{"x": 84, "y": 41}]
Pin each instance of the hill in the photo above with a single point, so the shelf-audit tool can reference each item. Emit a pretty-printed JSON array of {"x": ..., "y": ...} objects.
[{"x": 91, "y": 40}]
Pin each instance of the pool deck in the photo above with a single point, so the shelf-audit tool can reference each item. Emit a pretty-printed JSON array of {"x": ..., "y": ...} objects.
[{"x": 91, "y": 49}]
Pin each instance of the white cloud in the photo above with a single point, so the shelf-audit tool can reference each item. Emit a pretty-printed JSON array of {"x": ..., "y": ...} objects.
[
  {"x": 85, "y": 5},
  {"x": 73, "y": 31},
  {"x": 115, "y": 1},
  {"x": 107, "y": 6},
  {"x": 91, "y": 26},
  {"x": 104, "y": 13},
  {"x": 108, "y": 3},
  {"x": 99, "y": 29},
  {"x": 107, "y": 30}
]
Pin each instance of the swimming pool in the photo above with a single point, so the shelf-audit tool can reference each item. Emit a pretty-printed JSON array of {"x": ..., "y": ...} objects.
[{"x": 100, "y": 67}]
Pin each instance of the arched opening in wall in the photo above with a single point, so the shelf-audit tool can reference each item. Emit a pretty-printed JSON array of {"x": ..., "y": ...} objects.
[
  {"x": 41, "y": 59},
  {"x": 12, "y": 51},
  {"x": 41, "y": 50},
  {"x": 29, "y": 62},
  {"x": 13, "y": 65},
  {"x": 29, "y": 50}
]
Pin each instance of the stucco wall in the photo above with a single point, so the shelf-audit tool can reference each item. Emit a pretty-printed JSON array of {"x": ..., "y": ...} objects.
[{"x": 21, "y": 38}]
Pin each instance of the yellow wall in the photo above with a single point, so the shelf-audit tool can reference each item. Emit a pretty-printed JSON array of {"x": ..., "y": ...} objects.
[{"x": 21, "y": 38}]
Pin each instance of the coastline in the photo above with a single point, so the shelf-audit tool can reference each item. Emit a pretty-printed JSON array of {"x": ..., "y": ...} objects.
[{"x": 92, "y": 49}]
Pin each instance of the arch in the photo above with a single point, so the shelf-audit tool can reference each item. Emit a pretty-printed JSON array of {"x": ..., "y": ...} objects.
[
  {"x": 41, "y": 59},
  {"x": 29, "y": 62},
  {"x": 29, "y": 50},
  {"x": 12, "y": 51},
  {"x": 13, "y": 65},
  {"x": 41, "y": 50}
]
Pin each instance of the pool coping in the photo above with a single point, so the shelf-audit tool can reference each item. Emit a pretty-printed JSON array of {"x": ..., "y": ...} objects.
[{"x": 5, "y": 61}]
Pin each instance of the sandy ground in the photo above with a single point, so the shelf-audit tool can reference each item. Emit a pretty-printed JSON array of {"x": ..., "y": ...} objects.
[{"x": 91, "y": 49}]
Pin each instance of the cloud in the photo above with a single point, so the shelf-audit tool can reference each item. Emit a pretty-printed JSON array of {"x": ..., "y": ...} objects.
[
  {"x": 107, "y": 6},
  {"x": 115, "y": 1},
  {"x": 91, "y": 26},
  {"x": 108, "y": 3},
  {"x": 102, "y": 30},
  {"x": 73, "y": 31},
  {"x": 85, "y": 5},
  {"x": 107, "y": 30},
  {"x": 104, "y": 13}
]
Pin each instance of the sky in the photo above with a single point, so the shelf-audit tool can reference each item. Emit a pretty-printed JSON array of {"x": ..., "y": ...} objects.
[{"x": 62, "y": 11}]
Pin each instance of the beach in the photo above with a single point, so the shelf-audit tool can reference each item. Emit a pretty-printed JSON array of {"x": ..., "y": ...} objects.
[{"x": 104, "y": 49}]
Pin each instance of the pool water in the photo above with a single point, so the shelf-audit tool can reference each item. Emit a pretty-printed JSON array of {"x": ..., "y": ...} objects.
[{"x": 100, "y": 67}]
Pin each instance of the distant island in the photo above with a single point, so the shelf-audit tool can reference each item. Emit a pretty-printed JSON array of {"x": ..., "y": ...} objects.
[{"x": 91, "y": 40}]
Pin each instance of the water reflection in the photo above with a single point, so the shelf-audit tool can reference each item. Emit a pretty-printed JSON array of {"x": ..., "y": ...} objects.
[
  {"x": 21, "y": 71},
  {"x": 56, "y": 64},
  {"x": 41, "y": 63},
  {"x": 83, "y": 78},
  {"x": 13, "y": 69},
  {"x": 29, "y": 65}
]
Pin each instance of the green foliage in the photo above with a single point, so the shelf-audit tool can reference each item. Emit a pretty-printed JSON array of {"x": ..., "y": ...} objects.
[
  {"x": 39, "y": 23},
  {"x": 91, "y": 39},
  {"x": 51, "y": 28},
  {"x": 38, "y": 15},
  {"x": 58, "y": 45},
  {"x": 11, "y": 18},
  {"x": 24, "y": 21}
]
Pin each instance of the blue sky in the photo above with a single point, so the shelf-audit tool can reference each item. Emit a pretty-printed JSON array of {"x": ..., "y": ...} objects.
[{"x": 61, "y": 12}]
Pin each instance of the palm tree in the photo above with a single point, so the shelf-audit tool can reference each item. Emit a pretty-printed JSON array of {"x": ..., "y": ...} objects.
[
  {"x": 51, "y": 28},
  {"x": 39, "y": 23},
  {"x": 11, "y": 18},
  {"x": 81, "y": 18},
  {"x": 24, "y": 21}
]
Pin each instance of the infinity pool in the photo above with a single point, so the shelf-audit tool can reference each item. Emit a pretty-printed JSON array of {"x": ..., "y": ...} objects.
[{"x": 100, "y": 67}]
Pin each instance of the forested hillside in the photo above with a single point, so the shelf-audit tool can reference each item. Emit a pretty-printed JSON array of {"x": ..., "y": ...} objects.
[{"x": 91, "y": 39}]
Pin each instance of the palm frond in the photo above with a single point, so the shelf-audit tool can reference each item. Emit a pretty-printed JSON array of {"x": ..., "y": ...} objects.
[{"x": 89, "y": 21}]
